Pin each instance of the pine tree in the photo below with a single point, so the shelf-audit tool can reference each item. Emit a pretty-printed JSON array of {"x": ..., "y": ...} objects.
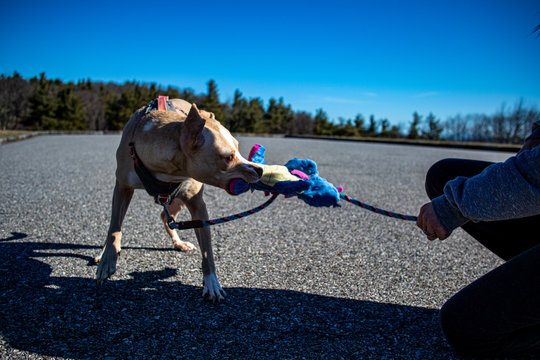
[
  {"x": 69, "y": 114},
  {"x": 394, "y": 132},
  {"x": 189, "y": 96},
  {"x": 322, "y": 125},
  {"x": 211, "y": 101},
  {"x": 434, "y": 128},
  {"x": 172, "y": 93},
  {"x": 286, "y": 115},
  {"x": 359, "y": 124},
  {"x": 239, "y": 114},
  {"x": 271, "y": 117},
  {"x": 277, "y": 116},
  {"x": 345, "y": 128},
  {"x": 385, "y": 125},
  {"x": 413, "y": 131},
  {"x": 119, "y": 110},
  {"x": 255, "y": 116},
  {"x": 42, "y": 102},
  {"x": 372, "y": 129}
]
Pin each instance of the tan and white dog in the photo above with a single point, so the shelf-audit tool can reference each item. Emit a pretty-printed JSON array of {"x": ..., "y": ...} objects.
[{"x": 190, "y": 150}]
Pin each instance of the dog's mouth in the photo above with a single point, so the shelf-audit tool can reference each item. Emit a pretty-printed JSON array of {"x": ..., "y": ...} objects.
[{"x": 237, "y": 187}]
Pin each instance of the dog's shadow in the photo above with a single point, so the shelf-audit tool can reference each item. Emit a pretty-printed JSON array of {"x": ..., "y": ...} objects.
[{"x": 148, "y": 317}]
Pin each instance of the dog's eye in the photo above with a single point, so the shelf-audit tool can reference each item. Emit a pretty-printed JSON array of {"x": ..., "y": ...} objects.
[{"x": 229, "y": 158}]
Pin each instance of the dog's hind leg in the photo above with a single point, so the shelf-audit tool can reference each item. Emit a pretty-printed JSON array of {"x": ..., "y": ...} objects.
[
  {"x": 174, "y": 209},
  {"x": 113, "y": 245}
]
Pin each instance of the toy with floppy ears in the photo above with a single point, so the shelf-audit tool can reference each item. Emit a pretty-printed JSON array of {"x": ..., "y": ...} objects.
[{"x": 297, "y": 178}]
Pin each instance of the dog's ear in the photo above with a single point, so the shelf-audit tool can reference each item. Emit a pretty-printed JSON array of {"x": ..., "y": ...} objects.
[
  {"x": 207, "y": 114},
  {"x": 192, "y": 128}
]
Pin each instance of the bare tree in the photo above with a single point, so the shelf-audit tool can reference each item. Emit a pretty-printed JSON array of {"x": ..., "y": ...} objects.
[
  {"x": 94, "y": 107},
  {"x": 14, "y": 94},
  {"x": 457, "y": 127},
  {"x": 301, "y": 124}
]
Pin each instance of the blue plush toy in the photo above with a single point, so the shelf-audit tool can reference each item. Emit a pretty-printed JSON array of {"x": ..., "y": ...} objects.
[{"x": 297, "y": 178}]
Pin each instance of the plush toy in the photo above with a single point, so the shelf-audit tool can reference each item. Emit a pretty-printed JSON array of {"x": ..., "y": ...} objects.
[{"x": 297, "y": 178}]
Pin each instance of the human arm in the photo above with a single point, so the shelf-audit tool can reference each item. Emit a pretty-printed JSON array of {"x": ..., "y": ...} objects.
[
  {"x": 506, "y": 190},
  {"x": 468, "y": 199}
]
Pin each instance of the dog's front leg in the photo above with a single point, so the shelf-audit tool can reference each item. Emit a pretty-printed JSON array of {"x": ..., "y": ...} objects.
[
  {"x": 113, "y": 245},
  {"x": 211, "y": 287}
]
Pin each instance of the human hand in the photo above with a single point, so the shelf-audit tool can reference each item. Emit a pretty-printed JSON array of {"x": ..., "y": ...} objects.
[
  {"x": 529, "y": 144},
  {"x": 429, "y": 223}
]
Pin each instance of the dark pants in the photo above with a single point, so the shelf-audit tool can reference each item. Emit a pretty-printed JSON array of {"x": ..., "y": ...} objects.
[{"x": 498, "y": 314}]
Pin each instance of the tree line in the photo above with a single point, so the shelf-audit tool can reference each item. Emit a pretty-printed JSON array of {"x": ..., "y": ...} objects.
[{"x": 40, "y": 103}]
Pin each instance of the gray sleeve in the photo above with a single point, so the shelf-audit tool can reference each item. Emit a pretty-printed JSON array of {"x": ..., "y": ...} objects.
[{"x": 506, "y": 190}]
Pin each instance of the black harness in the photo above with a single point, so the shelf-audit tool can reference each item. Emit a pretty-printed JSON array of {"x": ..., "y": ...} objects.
[{"x": 163, "y": 192}]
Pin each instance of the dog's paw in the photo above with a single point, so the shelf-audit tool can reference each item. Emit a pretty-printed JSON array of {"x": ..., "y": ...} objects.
[
  {"x": 183, "y": 246},
  {"x": 212, "y": 289},
  {"x": 106, "y": 264}
]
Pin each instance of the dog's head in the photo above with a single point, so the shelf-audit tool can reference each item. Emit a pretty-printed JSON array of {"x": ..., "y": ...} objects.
[{"x": 212, "y": 155}]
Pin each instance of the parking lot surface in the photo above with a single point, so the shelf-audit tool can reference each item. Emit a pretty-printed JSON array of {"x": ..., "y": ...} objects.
[{"x": 301, "y": 282}]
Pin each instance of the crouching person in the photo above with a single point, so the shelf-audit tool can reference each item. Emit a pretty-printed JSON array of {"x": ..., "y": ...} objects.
[{"x": 499, "y": 205}]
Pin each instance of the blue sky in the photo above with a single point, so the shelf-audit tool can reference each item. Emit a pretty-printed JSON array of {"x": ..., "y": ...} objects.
[{"x": 387, "y": 58}]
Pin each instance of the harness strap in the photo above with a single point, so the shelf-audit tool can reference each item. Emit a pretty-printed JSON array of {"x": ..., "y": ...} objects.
[{"x": 162, "y": 191}]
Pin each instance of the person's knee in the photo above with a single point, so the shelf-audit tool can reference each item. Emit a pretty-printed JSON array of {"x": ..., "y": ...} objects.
[
  {"x": 462, "y": 330},
  {"x": 451, "y": 327},
  {"x": 436, "y": 179}
]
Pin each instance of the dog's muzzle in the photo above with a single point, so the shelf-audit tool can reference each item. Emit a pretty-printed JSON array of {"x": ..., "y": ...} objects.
[{"x": 238, "y": 186}]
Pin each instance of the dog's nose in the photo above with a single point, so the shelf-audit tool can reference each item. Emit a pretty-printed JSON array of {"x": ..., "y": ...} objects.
[{"x": 259, "y": 171}]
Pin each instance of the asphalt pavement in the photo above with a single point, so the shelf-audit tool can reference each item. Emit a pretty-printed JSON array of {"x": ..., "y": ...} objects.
[{"x": 301, "y": 282}]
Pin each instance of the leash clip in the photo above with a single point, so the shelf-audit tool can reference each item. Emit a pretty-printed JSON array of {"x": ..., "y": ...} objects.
[
  {"x": 171, "y": 223},
  {"x": 163, "y": 199}
]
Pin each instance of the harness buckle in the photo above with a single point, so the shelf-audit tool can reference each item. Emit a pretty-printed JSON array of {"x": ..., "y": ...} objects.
[{"x": 162, "y": 199}]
